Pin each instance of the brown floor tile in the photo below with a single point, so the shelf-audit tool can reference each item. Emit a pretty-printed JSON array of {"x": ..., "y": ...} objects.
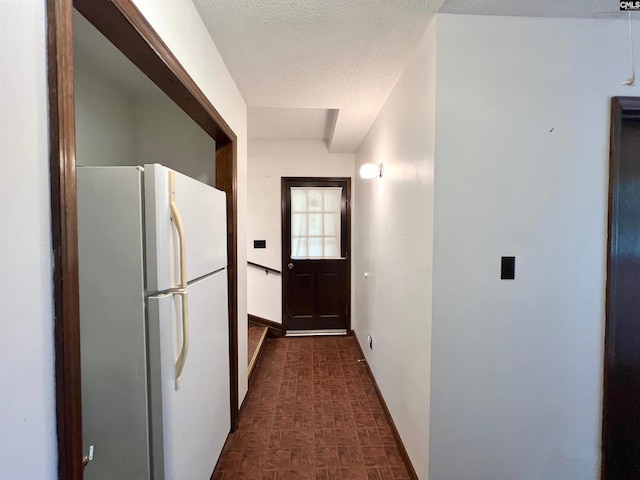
[{"x": 311, "y": 413}]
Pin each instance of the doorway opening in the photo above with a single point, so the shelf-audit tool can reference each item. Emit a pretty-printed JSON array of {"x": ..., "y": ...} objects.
[
  {"x": 125, "y": 27},
  {"x": 621, "y": 402}
]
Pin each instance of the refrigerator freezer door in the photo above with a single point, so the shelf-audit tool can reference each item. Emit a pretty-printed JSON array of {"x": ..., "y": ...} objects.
[
  {"x": 190, "y": 424},
  {"x": 112, "y": 322},
  {"x": 203, "y": 212}
]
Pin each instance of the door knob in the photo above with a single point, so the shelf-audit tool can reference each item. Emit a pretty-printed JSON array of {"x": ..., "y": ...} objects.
[
  {"x": 87, "y": 458},
  {"x": 290, "y": 265}
]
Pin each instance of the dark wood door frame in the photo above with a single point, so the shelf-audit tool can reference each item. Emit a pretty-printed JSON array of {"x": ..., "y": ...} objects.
[
  {"x": 345, "y": 240},
  {"x": 617, "y": 369},
  {"x": 122, "y": 24}
]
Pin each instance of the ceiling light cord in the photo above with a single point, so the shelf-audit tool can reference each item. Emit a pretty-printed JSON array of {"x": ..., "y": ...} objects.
[{"x": 631, "y": 81}]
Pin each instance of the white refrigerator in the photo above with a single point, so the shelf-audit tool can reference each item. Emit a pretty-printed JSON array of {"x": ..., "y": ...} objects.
[{"x": 153, "y": 323}]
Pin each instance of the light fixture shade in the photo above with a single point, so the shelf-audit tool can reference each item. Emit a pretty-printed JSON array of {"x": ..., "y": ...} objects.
[{"x": 370, "y": 170}]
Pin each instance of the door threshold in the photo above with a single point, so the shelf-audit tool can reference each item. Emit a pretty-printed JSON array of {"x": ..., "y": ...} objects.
[{"x": 315, "y": 333}]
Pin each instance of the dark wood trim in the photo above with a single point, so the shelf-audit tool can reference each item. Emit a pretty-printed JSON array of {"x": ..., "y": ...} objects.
[
  {"x": 123, "y": 25},
  {"x": 614, "y": 159},
  {"x": 64, "y": 227},
  {"x": 275, "y": 329},
  {"x": 285, "y": 183},
  {"x": 622, "y": 108},
  {"x": 387, "y": 413},
  {"x": 226, "y": 179},
  {"x": 264, "y": 267}
]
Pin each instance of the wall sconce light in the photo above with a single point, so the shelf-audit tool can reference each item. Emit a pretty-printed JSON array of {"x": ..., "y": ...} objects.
[{"x": 371, "y": 170}]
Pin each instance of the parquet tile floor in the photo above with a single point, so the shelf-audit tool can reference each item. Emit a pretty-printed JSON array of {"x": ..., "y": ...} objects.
[{"x": 311, "y": 413}]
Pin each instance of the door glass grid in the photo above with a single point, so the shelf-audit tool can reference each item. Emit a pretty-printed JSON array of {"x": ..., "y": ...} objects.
[{"x": 315, "y": 222}]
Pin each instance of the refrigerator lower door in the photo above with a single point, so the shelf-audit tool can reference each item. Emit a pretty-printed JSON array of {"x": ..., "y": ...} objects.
[{"x": 189, "y": 424}]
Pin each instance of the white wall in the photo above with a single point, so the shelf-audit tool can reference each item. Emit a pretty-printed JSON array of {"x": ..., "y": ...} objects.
[
  {"x": 179, "y": 25},
  {"x": 105, "y": 120},
  {"x": 166, "y": 135},
  {"x": 27, "y": 410},
  {"x": 522, "y": 134},
  {"x": 269, "y": 161},
  {"x": 116, "y": 125},
  {"x": 394, "y": 244}
]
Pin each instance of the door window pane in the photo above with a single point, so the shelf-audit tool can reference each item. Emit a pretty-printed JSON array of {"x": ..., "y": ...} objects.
[
  {"x": 299, "y": 245},
  {"x": 315, "y": 222},
  {"x": 315, "y": 247},
  {"x": 314, "y": 198},
  {"x": 298, "y": 224},
  {"x": 298, "y": 200},
  {"x": 331, "y": 247},
  {"x": 332, "y": 224}
]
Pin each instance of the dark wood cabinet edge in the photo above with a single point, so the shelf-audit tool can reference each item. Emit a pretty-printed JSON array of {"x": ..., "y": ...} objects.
[
  {"x": 275, "y": 329},
  {"x": 64, "y": 227},
  {"x": 387, "y": 413}
]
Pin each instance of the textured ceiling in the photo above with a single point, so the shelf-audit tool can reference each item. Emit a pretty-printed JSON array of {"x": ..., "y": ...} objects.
[
  {"x": 340, "y": 55},
  {"x": 296, "y": 123},
  {"x": 536, "y": 8},
  {"x": 329, "y": 54}
]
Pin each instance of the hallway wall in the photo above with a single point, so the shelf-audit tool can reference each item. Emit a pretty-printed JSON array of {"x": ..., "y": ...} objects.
[
  {"x": 518, "y": 117},
  {"x": 27, "y": 410},
  {"x": 269, "y": 161},
  {"x": 522, "y": 147},
  {"x": 394, "y": 245}
]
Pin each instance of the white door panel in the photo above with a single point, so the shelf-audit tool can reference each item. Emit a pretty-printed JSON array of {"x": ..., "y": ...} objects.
[
  {"x": 190, "y": 424},
  {"x": 203, "y": 212}
]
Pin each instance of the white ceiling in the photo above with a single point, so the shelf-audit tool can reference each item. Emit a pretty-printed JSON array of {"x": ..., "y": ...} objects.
[
  {"x": 340, "y": 56},
  {"x": 320, "y": 54}
]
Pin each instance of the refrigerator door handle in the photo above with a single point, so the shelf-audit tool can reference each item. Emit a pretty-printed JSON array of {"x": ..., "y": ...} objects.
[
  {"x": 176, "y": 218},
  {"x": 182, "y": 357}
]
